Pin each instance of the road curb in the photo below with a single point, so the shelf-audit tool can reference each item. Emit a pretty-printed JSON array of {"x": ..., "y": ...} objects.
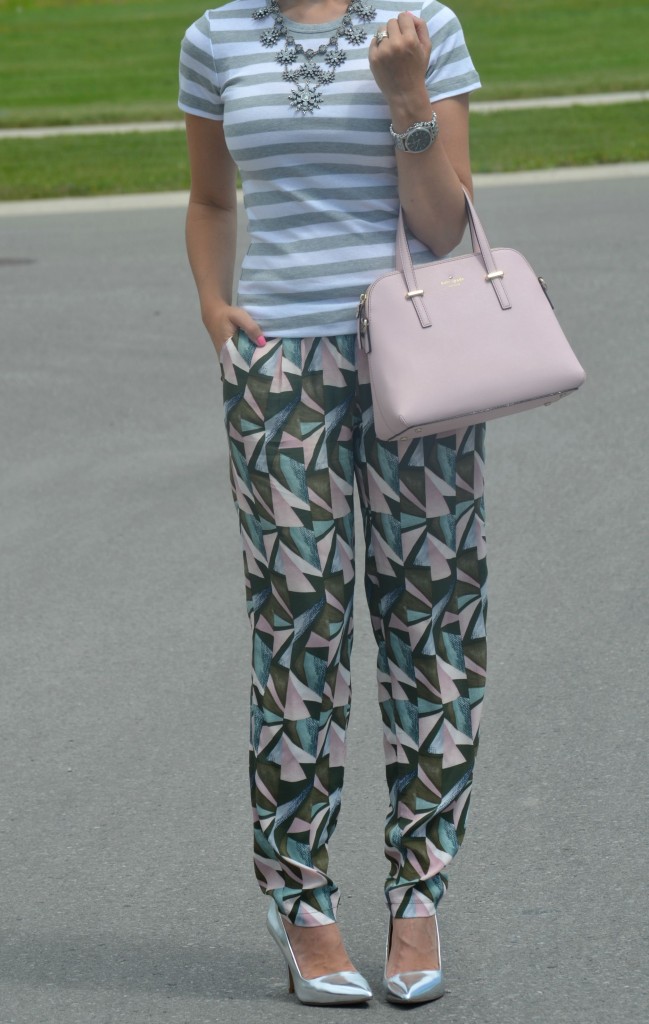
[{"x": 176, "y": 200}]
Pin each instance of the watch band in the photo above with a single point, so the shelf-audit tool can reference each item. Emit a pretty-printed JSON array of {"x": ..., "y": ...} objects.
[{"x": 416, "y": 134}]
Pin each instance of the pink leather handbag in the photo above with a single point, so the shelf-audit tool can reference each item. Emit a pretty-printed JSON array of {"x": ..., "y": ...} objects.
[{"x": 461, "y": 340}]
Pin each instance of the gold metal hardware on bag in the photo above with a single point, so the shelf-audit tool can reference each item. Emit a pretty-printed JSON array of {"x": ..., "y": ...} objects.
[
  {"x": 417, "y": 291},
  {"x": 494, "y": 275}
]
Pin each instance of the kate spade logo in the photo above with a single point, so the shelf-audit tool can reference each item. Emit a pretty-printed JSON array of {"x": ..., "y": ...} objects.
[{"x": 452, "y": 281}]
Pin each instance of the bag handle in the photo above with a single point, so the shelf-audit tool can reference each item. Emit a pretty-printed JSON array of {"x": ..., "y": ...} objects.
[{"x": 481, "y": 248}]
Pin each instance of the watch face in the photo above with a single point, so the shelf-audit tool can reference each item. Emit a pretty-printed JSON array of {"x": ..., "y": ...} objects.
[{"x": 418, "y": 140}]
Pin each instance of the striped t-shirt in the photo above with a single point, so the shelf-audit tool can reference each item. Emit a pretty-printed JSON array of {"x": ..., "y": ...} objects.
[{"x": 320, "y": 189}]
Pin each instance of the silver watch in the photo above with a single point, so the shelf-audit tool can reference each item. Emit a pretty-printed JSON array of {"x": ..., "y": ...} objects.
[{"x": 418, "y": 137}]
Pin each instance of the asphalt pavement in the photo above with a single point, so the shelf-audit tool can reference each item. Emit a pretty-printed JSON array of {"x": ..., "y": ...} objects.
[{"x": 127, "y": 890}]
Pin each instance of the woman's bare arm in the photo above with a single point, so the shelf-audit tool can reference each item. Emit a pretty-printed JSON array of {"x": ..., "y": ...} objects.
[
  {"x": 211, "y": 229},
  {"x": 430, "y": 183}
]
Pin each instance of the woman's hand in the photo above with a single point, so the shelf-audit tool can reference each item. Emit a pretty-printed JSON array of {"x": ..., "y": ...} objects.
[
  {"x": 430, "y": 182},
  {"x": 222, "y": 322},
  {"x": 400, "y": 61},
  {"x": 212, "y": 231}
]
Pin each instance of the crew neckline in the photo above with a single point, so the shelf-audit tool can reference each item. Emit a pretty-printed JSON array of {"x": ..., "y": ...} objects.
[{"x": 312, "y": 28}]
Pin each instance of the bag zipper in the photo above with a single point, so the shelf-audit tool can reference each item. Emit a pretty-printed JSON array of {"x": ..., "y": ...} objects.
[{"x": 363, "y": 324}]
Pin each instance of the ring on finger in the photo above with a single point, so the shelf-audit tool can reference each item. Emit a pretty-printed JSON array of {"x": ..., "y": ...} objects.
[{"x": 380, "y": 36}]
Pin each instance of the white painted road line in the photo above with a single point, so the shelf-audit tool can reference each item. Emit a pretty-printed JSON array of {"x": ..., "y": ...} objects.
[
  {"x": 478, "y": 107},
  {"x": 601, "y": 99},
  {"x": 57, "y": 131}
]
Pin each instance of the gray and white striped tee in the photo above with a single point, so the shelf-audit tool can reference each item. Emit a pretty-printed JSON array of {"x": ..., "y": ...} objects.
[{"x": 320, "y": 189}]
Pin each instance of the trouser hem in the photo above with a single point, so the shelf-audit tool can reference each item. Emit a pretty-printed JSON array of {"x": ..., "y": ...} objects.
[
  {"x": 312, "y": 909},
  {"x": 407, "y": 901}
]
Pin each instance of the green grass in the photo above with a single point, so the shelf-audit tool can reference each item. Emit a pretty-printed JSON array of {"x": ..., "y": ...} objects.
[
  {"x": 90, "y": 61},
  {"x": 75, "y": 61},
  {"x": 568, "y": 137},
  {"x": 102, "y": 164},
  {"x": 93, "y": 165},
  {"x": 556, "y": 47}
]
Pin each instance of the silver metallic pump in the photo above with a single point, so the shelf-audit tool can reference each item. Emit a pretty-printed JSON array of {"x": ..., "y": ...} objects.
[
  {"x": 413, "y": 986},
  {"x": 340, "y": 989}
]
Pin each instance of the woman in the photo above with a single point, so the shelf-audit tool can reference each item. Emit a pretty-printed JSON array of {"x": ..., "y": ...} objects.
[{"x": 335, "y": 112}]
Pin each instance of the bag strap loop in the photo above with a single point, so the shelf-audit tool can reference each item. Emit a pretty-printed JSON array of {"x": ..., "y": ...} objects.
[{"x": 481, "y": 248}]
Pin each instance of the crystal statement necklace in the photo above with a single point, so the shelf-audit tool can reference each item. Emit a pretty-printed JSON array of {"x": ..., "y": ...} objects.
[{"x": 308, "y": 76}]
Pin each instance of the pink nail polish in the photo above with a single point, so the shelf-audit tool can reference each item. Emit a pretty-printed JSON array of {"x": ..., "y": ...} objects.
[{"x": 261, "y": 340}]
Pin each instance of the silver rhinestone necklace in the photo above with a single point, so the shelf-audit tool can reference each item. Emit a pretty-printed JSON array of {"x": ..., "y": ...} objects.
[{"x": 307, "y": 77}]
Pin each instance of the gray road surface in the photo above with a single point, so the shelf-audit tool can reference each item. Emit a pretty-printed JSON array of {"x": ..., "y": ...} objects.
[{"x": 127, "y": 893}]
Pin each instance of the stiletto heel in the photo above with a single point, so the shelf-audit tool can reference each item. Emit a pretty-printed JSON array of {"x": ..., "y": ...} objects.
[
  {"x": 340, "y": 989},
  {"x": 413, "y": 986}
]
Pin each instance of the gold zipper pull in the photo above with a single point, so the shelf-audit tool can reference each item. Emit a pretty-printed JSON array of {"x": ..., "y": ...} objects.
[
  {"x": 363, "y": 324},
  {"x": 545, "y": 289}
]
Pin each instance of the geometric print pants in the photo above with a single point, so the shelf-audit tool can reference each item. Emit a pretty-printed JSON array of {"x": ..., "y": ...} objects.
[{"x": 299, "y": 420}]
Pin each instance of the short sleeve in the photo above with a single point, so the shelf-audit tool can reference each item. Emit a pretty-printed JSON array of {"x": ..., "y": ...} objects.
[
  {"x": 451, "y": 71},
  {"x": 200, "y": 92}
]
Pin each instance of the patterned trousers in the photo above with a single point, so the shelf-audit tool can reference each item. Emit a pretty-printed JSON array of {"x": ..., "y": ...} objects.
[{"x": 299, "y": 420}]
